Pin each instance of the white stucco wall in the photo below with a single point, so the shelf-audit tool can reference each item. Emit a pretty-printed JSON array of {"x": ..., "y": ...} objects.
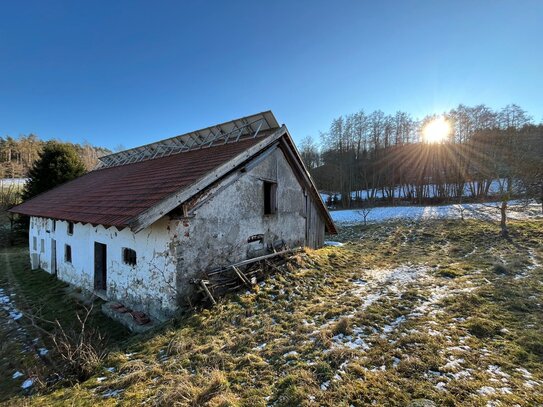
[{"x": 148, "y": 286}]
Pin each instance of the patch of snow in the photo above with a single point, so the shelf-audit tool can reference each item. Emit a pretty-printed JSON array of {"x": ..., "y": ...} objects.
[
  {"x": 389, "y": 328},
  {"x": 530, "y": 384},
  {"x": 496, "y": 370},
  {"x": 461, "y": 348},
  {"x": 524, "y": 372},
  {"x": 486, "y": 390},
  {"x": 462, "y": 374},
  {"x": 453, "y": 364},
  {"x": 16, "y": 375},
  {"x": 332, "y": 243},
  {"x": 43, "y": 351},
  {"x": 395, "y": 361},
  {"x": 260, "y": 347},
  {"x": 112, "y": 393},
  {"x": 101, "y": 379},
  {"x": 15, "y": 315},
  {"x": 442, "y": 386},
  {"x": 291, "y": 353},
  {"x": 354, "y": 341},
  {"x": 325, "y": 385},
  {"x": 473, "y": 211},
  {"x": 27, "y": 383}
]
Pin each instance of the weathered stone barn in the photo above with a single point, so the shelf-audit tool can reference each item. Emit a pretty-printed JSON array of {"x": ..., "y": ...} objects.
[{"x": 144, "y": 223}]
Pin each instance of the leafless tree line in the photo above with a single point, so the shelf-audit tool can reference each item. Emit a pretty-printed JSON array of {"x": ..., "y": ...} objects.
[{"x": 488, "y": 153}]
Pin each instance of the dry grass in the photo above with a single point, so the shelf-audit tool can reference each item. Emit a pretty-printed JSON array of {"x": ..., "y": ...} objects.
[{"x": 457, "y": 333}]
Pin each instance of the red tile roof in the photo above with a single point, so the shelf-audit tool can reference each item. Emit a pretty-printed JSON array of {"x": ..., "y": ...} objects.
[{"x": 113, "y": 196}]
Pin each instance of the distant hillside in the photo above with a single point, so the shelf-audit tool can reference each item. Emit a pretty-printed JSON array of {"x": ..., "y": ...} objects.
[{"x": 18, "y": 154}]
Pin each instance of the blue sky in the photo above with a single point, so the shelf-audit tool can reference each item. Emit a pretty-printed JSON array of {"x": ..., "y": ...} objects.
[{"x": 129, "y": 72}]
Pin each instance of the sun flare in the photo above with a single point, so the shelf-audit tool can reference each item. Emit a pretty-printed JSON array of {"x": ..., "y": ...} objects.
[{"x": 436, "y": 131}]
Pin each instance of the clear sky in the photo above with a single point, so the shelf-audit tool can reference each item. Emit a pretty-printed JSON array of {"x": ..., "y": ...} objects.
[{"x": 133, "y": 72}]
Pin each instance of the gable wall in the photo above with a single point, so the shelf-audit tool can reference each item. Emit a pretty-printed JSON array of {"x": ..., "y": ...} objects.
[{"x": 218, "y": 231}]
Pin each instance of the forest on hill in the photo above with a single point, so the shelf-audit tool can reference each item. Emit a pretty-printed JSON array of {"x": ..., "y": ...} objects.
[
  {"x": 18, "y": 154},
  {"x": 380, "y": 158}
]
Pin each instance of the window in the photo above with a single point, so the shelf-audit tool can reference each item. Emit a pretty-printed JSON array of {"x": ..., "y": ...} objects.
[
  {"x": 54, "y": 226},
  {"x": 68, "y": 253},
  {"x": 70, "y": 228},
  {"x": 129, "y": 256},
  {"x": 270, "y": 198},
  {"x": 34, "y": 243},
  {"x": 42, "y": 246}
]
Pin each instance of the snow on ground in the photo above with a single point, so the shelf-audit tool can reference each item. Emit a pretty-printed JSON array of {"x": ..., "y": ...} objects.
[
  {"x": 14, "y": 331},
  {"x": 6, "y": 303},
  {"x": 430, "y": 190},
  {"x": 474, "y": 211}
]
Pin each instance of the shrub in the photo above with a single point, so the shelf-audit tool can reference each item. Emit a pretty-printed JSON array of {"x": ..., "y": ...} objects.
[
  {"x": 342, "y": 326},
  {"x": 482, "y": 328}
]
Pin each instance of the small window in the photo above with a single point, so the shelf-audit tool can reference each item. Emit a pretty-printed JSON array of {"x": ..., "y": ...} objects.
[
  {"x": 70, "y": 228},
  {"x": 34, "y": 243},
  {"x": 54, "y": 226},
  {"x": 129, "y": 256},
  {"x": 270, "y": 198},
  {"x": 68, "y": 253},
  {"x": 42, "y": 246}
]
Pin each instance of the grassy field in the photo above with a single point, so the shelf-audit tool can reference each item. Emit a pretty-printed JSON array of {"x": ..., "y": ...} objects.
[
  {"x": 442, "y": 310},
  {"x": 25, "y": 349}
]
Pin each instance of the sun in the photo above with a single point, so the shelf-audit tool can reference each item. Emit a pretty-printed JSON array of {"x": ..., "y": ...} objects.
[{"x": 436, "y": 131}]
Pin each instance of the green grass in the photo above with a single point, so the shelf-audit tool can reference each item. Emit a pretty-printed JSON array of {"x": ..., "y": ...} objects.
[
  {"x": 43, "y": 297},
  {"x": 461, "y": 326}
]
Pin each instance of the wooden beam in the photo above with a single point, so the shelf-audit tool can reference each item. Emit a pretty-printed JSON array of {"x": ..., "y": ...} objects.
[
  {"x": 253, "y": 260},
  {"x": 242, "y": 277},
  {"x": 203, "y": 284}
]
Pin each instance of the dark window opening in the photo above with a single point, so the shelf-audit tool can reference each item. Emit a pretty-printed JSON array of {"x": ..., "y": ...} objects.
[
  {"x": 129, "y": 256},
  {"x": 270, "y": 198},
  {"x": 68, "y": 253},
  {"x": 54, "y": 225},
  {"x": 70, "y": 228}
]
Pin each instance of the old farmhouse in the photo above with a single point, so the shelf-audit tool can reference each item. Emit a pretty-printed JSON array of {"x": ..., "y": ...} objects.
[{"x": 148, "y": 220}]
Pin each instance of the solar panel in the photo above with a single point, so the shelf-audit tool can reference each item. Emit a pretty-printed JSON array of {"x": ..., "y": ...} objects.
[{"x": 228, "y": 132}]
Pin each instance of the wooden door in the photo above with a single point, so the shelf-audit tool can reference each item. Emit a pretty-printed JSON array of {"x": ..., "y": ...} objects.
[
  {"x": 54, "y": 257},
  {"x": 100, "y": 266}
]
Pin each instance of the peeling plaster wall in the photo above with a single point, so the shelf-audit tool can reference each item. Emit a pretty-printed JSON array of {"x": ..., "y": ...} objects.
[
  {"x": 217, "y": 233},
  {"x": 148, "y": 286}
]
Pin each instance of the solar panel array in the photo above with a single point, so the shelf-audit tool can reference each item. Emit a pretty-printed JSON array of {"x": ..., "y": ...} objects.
[{"x": 224, "y": 133}]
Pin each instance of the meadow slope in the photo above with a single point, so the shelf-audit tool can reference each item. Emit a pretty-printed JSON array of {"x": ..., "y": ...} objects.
[{"x": 440, "y": 310}]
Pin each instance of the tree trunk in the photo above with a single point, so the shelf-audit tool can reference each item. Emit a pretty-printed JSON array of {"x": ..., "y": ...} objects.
[{"x": 503, "y": 220}]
